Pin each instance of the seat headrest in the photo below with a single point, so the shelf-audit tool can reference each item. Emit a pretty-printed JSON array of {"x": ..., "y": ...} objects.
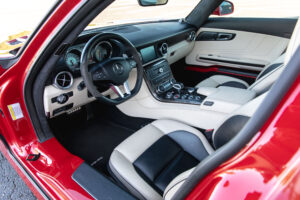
[{"x": 294, "y": 43}]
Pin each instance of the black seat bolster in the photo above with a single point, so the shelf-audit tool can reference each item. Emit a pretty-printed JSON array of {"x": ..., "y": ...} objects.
[
  {"x": 268, "y": 70},
  {"x": 234, "y": 84},
  {"x": 168, "y": 157},
  {"x": 230, "y": 128}
]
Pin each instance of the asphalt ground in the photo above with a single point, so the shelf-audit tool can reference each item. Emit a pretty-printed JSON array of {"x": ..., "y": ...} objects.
[{"x": 12, "y": 187}]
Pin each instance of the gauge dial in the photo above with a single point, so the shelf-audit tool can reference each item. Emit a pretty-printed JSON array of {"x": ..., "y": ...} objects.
[
  {"x": 72, "y": 60},
  {"x": 103, "y": 51}
]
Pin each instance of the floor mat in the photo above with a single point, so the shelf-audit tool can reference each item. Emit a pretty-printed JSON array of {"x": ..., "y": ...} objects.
[{"x": 94, "y": 140}]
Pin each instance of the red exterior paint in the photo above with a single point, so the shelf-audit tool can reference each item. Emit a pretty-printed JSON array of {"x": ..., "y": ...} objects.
[
  {"x": 1, "y": 70},
  {"x": 267, "y": 168},
  {"x": 56, "y": 165},
  {"x": 215, "y": 69},
  {"x": 5, "y": 152}
]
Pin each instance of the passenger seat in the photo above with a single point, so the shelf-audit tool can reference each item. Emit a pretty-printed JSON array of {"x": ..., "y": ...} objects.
[{"x": 267, "y": 76}]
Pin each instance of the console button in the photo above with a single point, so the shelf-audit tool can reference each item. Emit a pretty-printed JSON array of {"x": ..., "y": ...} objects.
[
  {"x": 185, "y": 96},
  {"x": 208, "y": 103},
  {"x": 191, "y": 90},
  {"x": 172, "y": 81},
  {"x": 81, "y": 86},
  {"x": 169, "y": 95},
  {"x": 176, "y": 96},
  {"x": 191, "y": 97},
  {"x": 198, "y": 98}
]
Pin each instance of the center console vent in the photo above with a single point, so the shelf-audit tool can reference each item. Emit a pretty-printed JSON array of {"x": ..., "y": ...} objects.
[
  {"x": 191, "y": 36},
  {"x": 163, "y": 49}
]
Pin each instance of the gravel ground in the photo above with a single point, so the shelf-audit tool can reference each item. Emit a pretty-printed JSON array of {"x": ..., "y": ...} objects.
[{"x": 11, "y": 185}]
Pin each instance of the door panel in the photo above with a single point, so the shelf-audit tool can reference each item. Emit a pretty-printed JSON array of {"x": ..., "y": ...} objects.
[
  {"x": 247, "y": 50},
  {"x": 281, "y": 27},
  {"x": 240, "y": 43}
]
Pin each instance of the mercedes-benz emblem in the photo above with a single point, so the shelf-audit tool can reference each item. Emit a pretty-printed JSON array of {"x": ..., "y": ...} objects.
[{"x": 118, "y": 68}]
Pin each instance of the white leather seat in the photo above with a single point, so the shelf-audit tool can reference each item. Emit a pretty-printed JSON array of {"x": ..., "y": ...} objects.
[
  {"x": 266, "y": 77},
  {"x": 160, "y": 140},
  {"x": 222, "y": 80},
  {"x": 156, "y": 160}
]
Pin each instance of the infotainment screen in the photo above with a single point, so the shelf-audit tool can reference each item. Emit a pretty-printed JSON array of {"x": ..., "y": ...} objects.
[{"x": 148, "y": 54}]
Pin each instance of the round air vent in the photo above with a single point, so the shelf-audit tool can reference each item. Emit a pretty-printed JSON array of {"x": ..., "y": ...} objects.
[
  {"x": 163, "y": 49},
  {"x": 63, "y": 80},
  {"x": 192, "y": 36}
]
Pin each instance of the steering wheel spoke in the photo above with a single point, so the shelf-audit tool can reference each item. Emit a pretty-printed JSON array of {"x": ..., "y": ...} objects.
[
  {"x": 117, "y": 90},
  {"x": 131, "y": 62},
  {"x": 127, "y": 88}
]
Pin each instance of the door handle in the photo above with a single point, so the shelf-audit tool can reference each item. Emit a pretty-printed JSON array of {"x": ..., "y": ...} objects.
[
  {"x": 215, "y": 36},
  {"x": 225, "y": 36}
]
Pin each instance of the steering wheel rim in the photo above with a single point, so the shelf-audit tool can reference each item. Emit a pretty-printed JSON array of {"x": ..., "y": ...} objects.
[{"x": 116, "y": 63}]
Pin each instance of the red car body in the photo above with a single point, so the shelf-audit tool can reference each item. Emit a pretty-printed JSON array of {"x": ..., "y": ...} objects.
[{"x": 267, "y": 168}]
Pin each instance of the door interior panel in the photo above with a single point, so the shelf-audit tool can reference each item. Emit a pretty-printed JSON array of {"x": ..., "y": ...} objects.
[
  {"x": 238, "y": 47},
  {"x": 247, "y": 50},
  {"x": 280, "y": 27}
]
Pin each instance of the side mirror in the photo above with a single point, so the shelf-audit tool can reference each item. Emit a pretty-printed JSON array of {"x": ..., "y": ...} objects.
[
  {"x": 225, "y": 8},
  {"x": 152, "y": 2}
]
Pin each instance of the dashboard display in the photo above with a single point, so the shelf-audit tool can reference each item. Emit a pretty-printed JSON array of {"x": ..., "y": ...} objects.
[{"x": 148, "y": 54}]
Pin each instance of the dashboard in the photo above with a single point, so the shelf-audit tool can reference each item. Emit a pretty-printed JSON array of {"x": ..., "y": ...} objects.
[{"x": 65, "y": 91}]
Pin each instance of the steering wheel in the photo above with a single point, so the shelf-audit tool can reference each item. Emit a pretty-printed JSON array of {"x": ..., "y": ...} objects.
[{"x": 112, "y": 72}]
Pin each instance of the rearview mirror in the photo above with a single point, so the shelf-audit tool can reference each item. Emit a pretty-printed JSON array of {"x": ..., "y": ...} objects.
[
  {"x": 152, "y": 2},
  {"x": 225, "y": 8}
]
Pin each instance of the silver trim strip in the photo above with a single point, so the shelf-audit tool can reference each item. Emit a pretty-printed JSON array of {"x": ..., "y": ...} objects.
[
  {"x": 117, "y": 90},
  {"x": 126, "y": 87}
]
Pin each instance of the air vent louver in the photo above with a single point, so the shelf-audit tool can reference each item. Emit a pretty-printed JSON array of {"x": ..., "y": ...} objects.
[
  {"x": 163, "y": 49},
  {"x": 63, "y": 80}
]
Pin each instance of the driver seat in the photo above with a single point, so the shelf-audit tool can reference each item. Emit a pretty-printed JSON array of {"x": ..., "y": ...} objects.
[{"x": 156, "y": 160}]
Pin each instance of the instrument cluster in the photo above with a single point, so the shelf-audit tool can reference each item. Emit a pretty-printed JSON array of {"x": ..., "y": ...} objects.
[{"x": 102, "y": 51}]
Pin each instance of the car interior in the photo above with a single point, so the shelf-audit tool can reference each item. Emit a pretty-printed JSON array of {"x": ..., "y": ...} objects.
[{"x": 143, "y": 104}]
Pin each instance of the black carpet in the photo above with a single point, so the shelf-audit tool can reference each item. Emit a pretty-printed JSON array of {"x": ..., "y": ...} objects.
[{"x": 94, "y": 140}]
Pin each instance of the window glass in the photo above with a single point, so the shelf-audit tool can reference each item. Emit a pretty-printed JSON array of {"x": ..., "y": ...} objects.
[
  {"x": 129, "y": 11},
  {"x": 266, "y": 8}
]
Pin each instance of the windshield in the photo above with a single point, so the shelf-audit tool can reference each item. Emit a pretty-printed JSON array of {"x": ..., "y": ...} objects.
[{"x": 129, "y": 11}]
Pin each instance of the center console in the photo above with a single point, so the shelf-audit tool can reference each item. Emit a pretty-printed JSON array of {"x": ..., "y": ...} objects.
[{"x": 165, "y": 88}]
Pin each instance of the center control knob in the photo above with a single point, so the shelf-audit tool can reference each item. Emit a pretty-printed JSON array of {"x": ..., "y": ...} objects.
[
  {"x": 161, "y": 70},
  {"x": 161, "y": 89}
]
